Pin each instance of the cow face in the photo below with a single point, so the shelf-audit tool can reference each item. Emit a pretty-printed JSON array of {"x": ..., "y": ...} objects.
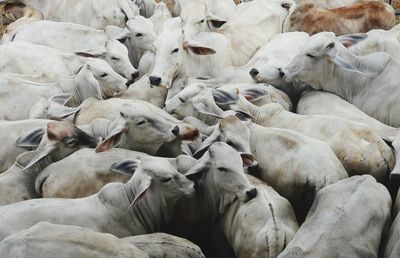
[
  {"x": 141, "y": 33},
  {"x": 233, "y": 132},
  {"x": 156, "y": 183},
  {"x": 144, "y": 124},
  {"x": 316, "y": 62},
  {"x": 171, "y": 55},
  {"x": 116, "y": 54},
  {"x": 109, "y": 81},
  {"x": 58, "y": 141},
  {"x": 221, "y": 169}
]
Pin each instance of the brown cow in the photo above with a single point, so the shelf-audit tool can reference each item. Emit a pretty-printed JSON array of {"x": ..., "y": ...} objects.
[
  {"x": 356, "y": 18},
  {"x": 18, "y": 14}
]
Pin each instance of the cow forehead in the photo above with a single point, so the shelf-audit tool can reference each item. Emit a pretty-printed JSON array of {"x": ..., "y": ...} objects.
[
  {"x": 169, "y": 38},
  {"x": 60, "y": 130},
  {"x": 319, "y": 41},
  {"x": 158, "y": 167}
]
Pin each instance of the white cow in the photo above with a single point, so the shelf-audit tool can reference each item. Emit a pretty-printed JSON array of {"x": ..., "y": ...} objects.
[
  {"x": 46, "y": 63},
  {"x": 327, "y": 65},
  {"x": 154, "y": 188},
  {"x": 66, "y": 179},
  {"x": 392, "y": 246},
  {"x": 139, "y": 36},
  {"x": 88, "y": 82},
  {"x": 374, "y": 41},
  {"x": 137, "y": 125},
  {"x": 358, "y": 147},
  {"x": 234, "y": 44},
  {"x": 220, "y": 164},
  {"x": 304, "y": 173},
  {"x": 94, "y": 13},
  {"x": 192, "y": 99},
  {"x": 75, "y": 38},
  {"x": 166, "y": 246},
  {"x": 50, "y": 240},
  {"x": 59, "y": 140},
  {"x": 261, "y": 227},
  {"x": 347, "y": 218},
  {"x": 324, "y": 103}
]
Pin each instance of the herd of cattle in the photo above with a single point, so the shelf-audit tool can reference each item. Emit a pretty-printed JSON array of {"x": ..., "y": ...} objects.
[{"x": 264, "y": 128}]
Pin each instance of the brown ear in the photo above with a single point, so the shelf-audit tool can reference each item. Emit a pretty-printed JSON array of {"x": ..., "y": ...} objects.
[
  {"x": 111, "y": 142},
  {"x": 197, "y": 48},
  {"x": 248, "y": 159}
]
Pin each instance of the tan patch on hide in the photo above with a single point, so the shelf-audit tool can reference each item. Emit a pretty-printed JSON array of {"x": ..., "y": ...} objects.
[{"x": 59, "y": 130}]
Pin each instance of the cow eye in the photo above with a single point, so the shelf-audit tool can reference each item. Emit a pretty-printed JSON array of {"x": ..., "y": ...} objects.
[
  {"x": 232, "y": 144},
  {"x": 166, "y": 180},
  {"x": 103, "y": 75},
  {"x": 115, "y": 58},
  {"x": 182, "y": 100},
  {"x": 222, "y": 169},
  {"x": 139, "y": 34},
  {"x": 142, "y": 122},
  {"x": 309, "y": 55},
  {"x": 70, "y": 141},
  {"x": 176, "y": 50},
  {"x": 201, "y": 21}
]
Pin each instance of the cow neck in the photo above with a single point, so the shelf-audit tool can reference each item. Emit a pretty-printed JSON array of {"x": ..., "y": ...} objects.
[
  {"x": 30, "y": 174},
  {"x": 338, "y": 79},
  {"x": 205, "y": 203},
  {"x": 145, "y": 215},
  {"x": 68, "y": 85}
]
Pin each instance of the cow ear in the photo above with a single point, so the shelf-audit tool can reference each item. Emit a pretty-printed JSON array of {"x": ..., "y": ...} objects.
[
  {"x": 196, "y": 172},
  {"x": 197, "y": 48},
  {"x": 352, "y": 39},
  {"x": 215, "y": 22},
  {"x": 295, "y": 252},
  {"x": 59, "y": 112},
  {"x": 253, "y": 94},
  {"x": 222, "y": 97},
  {"x": 248, "y": 159},
  {"x": 61, "y": 99},
  {"x": 141, "y": 191},
  {"x": 205, "y": 145},
  {"x": 118, "y": 129},
  {"x": 31, "y": 139},
  {"x": 203, "y": 109},
  {"x": 92, "y": 54},
  {"x": 243, "y": 116},
  {"x": 125, "y": 167}
]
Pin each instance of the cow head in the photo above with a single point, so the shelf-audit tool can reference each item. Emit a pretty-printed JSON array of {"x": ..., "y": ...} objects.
[
  {"x": 220, "y": 172},
  {"x": 146, "y": 125},
  {"x": 116, "y": 54},
  {"x": 97, "y": 71},
  {"x": 197, "y": 100},
  {"x": 171, "y": 55},
  {"x": 318, "y": 60},
  {"x": 233, "y": 132},
  {"x": 58, "y": 141},
  {"x": 155, "y": 183}
]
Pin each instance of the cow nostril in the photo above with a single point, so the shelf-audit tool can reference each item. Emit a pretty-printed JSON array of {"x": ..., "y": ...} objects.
[
  {"x": 281, "y": 73},
  {"x": 254, "y": 72},
  {"x": 252, "y": 193},
  {"x": 135, "y": 75},
  {"x": 175, "y": 130},
  {"x": 154, "y": 80}
]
